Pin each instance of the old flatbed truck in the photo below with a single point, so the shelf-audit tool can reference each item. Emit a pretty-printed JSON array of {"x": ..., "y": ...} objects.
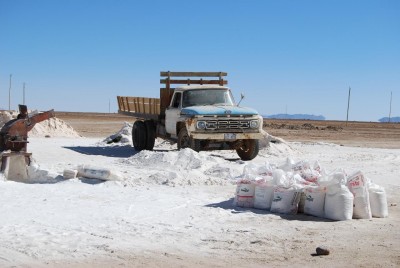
[{"x": 202, "y": 115}]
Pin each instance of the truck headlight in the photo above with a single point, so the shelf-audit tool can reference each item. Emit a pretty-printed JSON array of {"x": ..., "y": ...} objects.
[
  {"x": 254, "y": 124},
  {"x": 201, "y": 125}
]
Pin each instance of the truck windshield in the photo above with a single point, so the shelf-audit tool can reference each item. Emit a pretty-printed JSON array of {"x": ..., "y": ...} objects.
[{"x": 198, "y": 97}]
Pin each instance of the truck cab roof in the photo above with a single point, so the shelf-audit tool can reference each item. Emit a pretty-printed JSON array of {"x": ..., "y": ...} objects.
[{"x": 183, "y": 88}]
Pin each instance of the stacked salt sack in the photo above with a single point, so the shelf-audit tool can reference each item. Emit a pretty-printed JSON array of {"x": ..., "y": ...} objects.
[
  {"x": 253, "y": 189},
  {"x": 287, "y": 193},
  {"x": 378, "y": 201},
  {"x": 301, "y": 188},
  {"x": 358, "y": 187},
  {"x": 338, "y": 199},
  {"x": 274, "y": 188},
  {"x": 245, "y": 194}
]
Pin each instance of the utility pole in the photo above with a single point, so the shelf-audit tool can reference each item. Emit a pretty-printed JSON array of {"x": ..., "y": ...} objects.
[
  {"x": 390, "y": 109},
  {"x": 348, "y": 106},
  {"x": 9, "y": 95},
  {"x": 23, "y": 94},
  {"x": 109, "y": 106}
]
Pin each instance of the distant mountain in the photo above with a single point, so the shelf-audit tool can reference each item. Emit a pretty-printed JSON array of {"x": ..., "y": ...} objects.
[
  {"x": 295, "y": 116},
  {"x": 392, "y": 119}
]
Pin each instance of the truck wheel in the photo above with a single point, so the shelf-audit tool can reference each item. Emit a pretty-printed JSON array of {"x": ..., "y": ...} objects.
[
  {"x": 139, "y": 135},
  {"x": 196, "y": 145},
  {"x": 184, "y": 141},
  {"x": 151, "y": 134},
  {"x": 248, "y": 150}
]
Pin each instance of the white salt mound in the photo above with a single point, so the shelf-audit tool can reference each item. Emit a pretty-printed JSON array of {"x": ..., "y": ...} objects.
[
  {"x": 269, "y": 145},
  {"x": 184, "y": 167},
  {"x": 124, "y": 135},
  {"x": 5, "y": 116},
  {"x": 53, "y": 127}
]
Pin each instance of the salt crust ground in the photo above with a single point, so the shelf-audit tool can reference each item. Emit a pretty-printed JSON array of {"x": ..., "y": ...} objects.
[{"x": 174, "y": 208}]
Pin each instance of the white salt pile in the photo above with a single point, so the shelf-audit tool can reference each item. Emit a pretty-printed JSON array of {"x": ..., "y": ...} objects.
[
  {"x": 166, "y": 165},
  {"x": 184, "y": 167},
  {"x": 53, "y": 127},
  {"x": 269, "y": 145},
  {"x": 5, "y": 116},
  {"x": 123, "y": 136}
]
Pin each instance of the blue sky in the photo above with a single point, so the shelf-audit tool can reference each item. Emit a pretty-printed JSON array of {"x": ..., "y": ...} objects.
[{"x": 294, "y": 56}]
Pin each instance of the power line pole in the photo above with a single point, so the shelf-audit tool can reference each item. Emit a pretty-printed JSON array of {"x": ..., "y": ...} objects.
[
  {"x": 348, "y": 106},
  {"x": 23, "y": 94},
  {"x": 390, "y": 109},
  {"x": 9, "y": 94}
]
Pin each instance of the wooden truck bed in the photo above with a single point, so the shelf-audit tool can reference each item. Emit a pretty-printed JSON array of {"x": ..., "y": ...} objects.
[{"x": 146, "y": 108}]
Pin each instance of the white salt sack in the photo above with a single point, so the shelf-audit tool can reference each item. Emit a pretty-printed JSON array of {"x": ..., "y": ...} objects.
[
  {"x": 92, "y": 172},
  {"x": 338, "y": 203},
  {"x": 378, "y": 201},
  {"x": 263, "y": 195},
  {"x": 302, "y": 202},
  {"x": 315, "y": 201},
  {"x": 358, "y": 187},
  {"x": 245, "y": 194},
  {"x": 286, "y": 200}
]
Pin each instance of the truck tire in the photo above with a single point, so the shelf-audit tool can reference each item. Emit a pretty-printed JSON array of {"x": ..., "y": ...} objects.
[
  {"x": 248, "y": 150},
  {"x": 184, "y": 141},
  {"x": 196, "y": 145},
  {"x": 139, "y": 135},
  {"x": 151, "y": 134}
]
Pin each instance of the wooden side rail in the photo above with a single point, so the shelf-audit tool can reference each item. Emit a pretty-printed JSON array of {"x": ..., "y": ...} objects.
[{"x": 139, "y": 105}]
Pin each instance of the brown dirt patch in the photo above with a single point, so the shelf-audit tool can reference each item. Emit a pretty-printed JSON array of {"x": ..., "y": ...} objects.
[{"x": 360, "y": 134}]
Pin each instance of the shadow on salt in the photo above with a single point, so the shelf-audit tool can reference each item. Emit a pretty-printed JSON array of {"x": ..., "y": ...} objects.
[
  {"x": 109, "y": 151},
  {"x": 229, "y": 205}
]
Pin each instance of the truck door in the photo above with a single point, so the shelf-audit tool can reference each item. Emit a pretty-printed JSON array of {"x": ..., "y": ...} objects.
[{"x": 172, "y": 113}]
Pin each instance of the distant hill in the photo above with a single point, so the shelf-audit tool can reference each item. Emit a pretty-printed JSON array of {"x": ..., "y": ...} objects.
[
  {"x": 392, "y": 119},
  {"x": 295, "y": 116}
]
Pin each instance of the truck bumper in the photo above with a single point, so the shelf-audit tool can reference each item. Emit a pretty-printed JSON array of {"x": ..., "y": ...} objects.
[{"x": 226, "y": 136}]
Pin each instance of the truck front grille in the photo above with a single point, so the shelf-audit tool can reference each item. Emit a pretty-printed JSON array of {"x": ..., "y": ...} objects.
[{"x": 227, "y": 124}]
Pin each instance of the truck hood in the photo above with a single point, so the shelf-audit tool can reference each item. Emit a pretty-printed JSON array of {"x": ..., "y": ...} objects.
[{"x": 218, "y": 110}]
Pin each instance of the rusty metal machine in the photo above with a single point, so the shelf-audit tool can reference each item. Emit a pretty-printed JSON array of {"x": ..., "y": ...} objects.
[
  {"x": 14, "y": 157},
  {"x": 14, "y": 134}
]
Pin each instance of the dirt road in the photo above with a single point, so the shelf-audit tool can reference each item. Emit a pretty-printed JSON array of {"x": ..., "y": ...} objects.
[{"x": 358, "y": 134}]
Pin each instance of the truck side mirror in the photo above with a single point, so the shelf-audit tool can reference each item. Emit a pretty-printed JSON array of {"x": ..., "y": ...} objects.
[{"x": 241, "y": 98}]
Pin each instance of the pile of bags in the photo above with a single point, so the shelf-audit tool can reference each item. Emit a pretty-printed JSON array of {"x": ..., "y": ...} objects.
[{"x": 301, "y": 188}]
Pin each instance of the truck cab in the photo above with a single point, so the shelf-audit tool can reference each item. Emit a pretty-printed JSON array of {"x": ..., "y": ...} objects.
[{"x": 206, "y": 117}]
